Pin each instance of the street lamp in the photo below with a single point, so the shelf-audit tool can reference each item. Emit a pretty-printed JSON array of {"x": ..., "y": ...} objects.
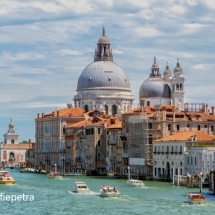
[{"x": 128, "y": 173}]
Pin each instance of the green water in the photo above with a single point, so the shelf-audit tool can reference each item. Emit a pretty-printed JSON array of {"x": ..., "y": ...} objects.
[{"x": 54, "y": 196}]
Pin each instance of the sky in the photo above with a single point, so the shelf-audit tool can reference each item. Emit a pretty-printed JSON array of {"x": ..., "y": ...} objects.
[{"x": 46, "y": 44}]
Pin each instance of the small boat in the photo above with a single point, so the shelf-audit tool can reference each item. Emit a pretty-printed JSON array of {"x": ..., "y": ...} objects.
[
  {"x": 196, "y": 198},
  {"x": 135, "y": 183},
  {"x": 23, "y": 170},
  {"x": 43, "y": 172},
  {"x": 109, "y": 192},
  {"x": 5, "y": 178},
  {"x": 81, "y": 187},
  {"x": 53, "y": 175},
  {"x": 31, "y": 170}
]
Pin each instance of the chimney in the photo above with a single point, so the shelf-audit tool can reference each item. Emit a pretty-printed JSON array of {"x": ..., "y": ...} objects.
[
  {"x": 173, "y": 109},
  {"x": 38, "y": 115},
  {"x": 52, "y": 113},
  {"x": 206, "y": 108},
  {"x": 58, "y": 113},
  {"x": 42, "y": 115},
  {"x": 164, "y": 113},
  {"x": 212, "y": 110}
]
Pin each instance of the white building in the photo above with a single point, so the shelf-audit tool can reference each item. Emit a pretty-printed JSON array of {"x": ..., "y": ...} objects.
[
  {"x": 168, "y": 90},
  {"x": 11, "y": 151},
  {"x": 103, "y": 85},
  {"x": 170, "y": 153}
]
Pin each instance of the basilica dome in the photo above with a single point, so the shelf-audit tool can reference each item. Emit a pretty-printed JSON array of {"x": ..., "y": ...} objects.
[
  {"x": 103, "y": 74},
  {"x": 155, "y": 87}
]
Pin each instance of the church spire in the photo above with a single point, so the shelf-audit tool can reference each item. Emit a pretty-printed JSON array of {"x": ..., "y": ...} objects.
[{"x": 155, "y": 69}]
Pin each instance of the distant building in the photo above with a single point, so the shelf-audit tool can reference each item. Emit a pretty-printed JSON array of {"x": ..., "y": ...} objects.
[
  {"x": 12, "y": 151},
  {"x": 171, "y": 154}
]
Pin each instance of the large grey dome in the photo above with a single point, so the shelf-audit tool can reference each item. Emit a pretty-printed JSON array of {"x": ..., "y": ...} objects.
[
  {"x": 155, "y": 87},
  {"x": 103, "y": 74}
]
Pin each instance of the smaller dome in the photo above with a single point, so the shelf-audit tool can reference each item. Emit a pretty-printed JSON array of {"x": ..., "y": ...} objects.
[
  {"x": 103, "y": 40},
  {"x": 178, "y": 69},
  {"x": 11, "y": 125},
  {"x": 167, "y": 72}
]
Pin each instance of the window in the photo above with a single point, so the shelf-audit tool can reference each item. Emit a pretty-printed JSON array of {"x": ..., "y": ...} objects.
[
  {"x": 188, "y": 125},
  {"x": 155, "y": 162},
  {"x": 106, "y": 109},
  {"x": 205, "y": 126},
  {"x": 180, "y": 163},
  {"x": 169, "y": 127},
  {"x": 199, "y": 127},
  {"x": 180, "y": 171},
  {"x": 158, "y": 148},
  {"x": 155, "y": 171},
  {"x": 92, "y": 131},
  {"x": 212, "y": 128},
  {"x": 191, "y": 161},
  {"x": 181, "y": 149},
  {"x": 150, "y": 139},
  {"x": 172, "y": 163},
  {"x": 148, "y": 103},
  {"x": 172, "y": 149},
  {"x": 114, "y": 110},
  {"x": 12, "y": 141},
  {"x": 167, "y": 149},
  {"x": 178, "y": 127},
  {"x": 86, "y": 108},
  {"x": 162, "y": 148},
  {"x": 188, "y": 161},
  {"x": 98, "y": 142},
  {"x": 155, "y": 149},
  {"x": 195, "y": 160},
  {"x": 99, "y": 158},
  {"x": 150, "y": 126},
  {"x": 162, "y": 162},
  {"x": 176, "y": 149},
  {"x": 99, "y": 130},
  {"x": 107, "y": 132}
]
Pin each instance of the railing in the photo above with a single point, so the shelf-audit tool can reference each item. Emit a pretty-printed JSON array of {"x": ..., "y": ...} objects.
[{"x": 112, "y": 142}]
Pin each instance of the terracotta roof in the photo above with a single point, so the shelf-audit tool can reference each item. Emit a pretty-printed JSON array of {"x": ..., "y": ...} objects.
[
  {"x": 116, "y": 125},
  {"x": 187, "y": 135},
  {"x": 16, "y": 146},
  {"x": 135, "y": 110},
  {"x": 66, "y": 112},
  {"x": 78, "y": 124}
]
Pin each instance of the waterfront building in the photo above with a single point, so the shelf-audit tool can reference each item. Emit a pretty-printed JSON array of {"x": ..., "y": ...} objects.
[
  {"x": 171, "y": 153},
  {"x": 50, "y": 135},
  {"x": 168, "y": 90},
  {"x": 30, "y": 154},
  {"x": 103, "y": 85},
  {"x": 11, "y": 151}
]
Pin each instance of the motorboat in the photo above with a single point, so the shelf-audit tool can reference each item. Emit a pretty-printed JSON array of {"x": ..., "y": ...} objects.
[
  {"x": 81, "y": 187},
  {"x": 43, "y": 172},
  {"x": 53, "y": 175},
  {"x": 5, "y": 178},
  {"x": 196, "y": 198},
  {"x": 32, "y": 170},
  {"x": 109, "y": 192},
  {"x": 135, "y": 183}
]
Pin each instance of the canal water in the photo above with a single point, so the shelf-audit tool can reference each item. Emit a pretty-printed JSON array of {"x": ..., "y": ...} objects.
[{"x": 54, "y": 196}]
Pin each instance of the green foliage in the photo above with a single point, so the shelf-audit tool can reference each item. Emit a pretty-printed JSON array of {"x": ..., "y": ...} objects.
[{"x": 25, "y": 141}]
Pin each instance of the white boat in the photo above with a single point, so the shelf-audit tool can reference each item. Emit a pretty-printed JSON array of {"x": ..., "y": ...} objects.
[
  {"x": 135, "y": 183},
  {"x": 5, "y": 178},
  {"x": 81, "y": 187},
  {"x": 196, "y": 198},
  {"x": 53, "y": 175},
  {"x": 109, "y": 192}
]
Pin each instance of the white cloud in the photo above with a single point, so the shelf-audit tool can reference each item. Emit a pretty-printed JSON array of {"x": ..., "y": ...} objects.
[
  {"x": 177, "y": 9},
  {"x": 64, "y": 52}
]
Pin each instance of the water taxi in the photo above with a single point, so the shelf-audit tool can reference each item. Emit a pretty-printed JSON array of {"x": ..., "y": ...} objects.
[
  {"x": 196, "y": 198},
  {"x": 81, "y": 187},
  {"x": 5, "y": 178},
  {"x": 109, "y": 192},
  {"x": 53, "y": 175},
  {"x": 135, "y": 183}
]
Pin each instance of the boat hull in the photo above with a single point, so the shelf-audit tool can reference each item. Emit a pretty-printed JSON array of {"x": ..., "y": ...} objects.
[
  {"x": 197, "y": 202},
  {"x": 135, "y": 183},
  {"x": 55, "y": 177},
  {"x": 81, "y": 191},
  {"x": 7, "y": 182},
  {"x": 103, "y": 194}
]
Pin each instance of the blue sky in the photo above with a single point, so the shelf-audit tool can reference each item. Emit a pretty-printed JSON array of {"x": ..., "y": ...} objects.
[{"x": 45, "y": 45}]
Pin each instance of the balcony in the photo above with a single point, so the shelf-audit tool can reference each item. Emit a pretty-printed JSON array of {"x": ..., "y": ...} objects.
[
  {"x": 61, "y": 150},
  {"x": 125, "y": 155},
  {"x": 78, "y": 159},
  {"x": 112, "y": 142}
]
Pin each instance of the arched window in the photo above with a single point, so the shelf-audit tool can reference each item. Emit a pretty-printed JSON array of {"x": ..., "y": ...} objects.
[
  {"x": 155, "y": 149},
  {"x": 191, "y": 161},
  {"x": 169, "y": 127},
  {"x": 155, "y": 172},
  {"x": 11, "y": 156},
  {"x": 181, "y": 87},
  {"x": 178, "y": 127},
  {"x": 199, "y": 127},
  {"x": 212, "y": 128},
  {"x": 150, "y": 126},
  {"x": 106, "y": 109},
  {"x": 114, "y": 110},
  {"x": 188, "y": 125},
  {"x": 86, "y": 108},
  {"x": 99, "y": 158}
]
